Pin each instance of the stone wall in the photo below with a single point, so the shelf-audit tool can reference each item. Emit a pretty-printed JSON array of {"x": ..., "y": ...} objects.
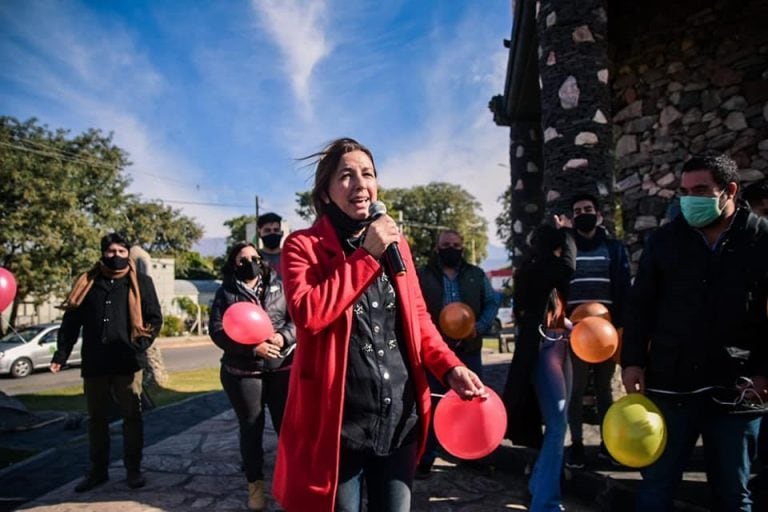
[{"x": 692, "y": 78}]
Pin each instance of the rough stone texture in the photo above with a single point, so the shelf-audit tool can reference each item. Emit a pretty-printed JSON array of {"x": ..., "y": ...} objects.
[
  {"x": 527, "y": 198},
  {"x": 693, "y": 82},
  {"x": 575, "y": 99}
]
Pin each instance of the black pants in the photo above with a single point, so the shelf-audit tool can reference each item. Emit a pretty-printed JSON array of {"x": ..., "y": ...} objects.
[
  {"x": 126, "y": 392},
  {"x": 248, "y": 396}
]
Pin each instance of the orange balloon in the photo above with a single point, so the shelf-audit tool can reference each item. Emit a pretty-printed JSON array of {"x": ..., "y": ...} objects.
[
  {"x": 588, "y": 309},
  {"x": 457, "y": 320},
  {"x": 594, "y": 340}
]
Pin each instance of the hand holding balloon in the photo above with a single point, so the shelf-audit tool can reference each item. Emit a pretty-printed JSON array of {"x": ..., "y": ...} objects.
[
  {"x": 267, "y": 350},
  {"x": 465, "y": 383},
  {"x": 470, "y": 429},
  {"x": 247, "y": 323}
]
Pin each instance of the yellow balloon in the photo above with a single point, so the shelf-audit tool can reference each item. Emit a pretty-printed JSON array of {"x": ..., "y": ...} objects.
[{"x": 634, "y": 431}]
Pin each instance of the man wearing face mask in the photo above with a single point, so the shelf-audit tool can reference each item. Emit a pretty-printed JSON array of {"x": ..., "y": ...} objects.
[
  {"x": 696, "y": 335},
  {"x": 118, "y": 311},
  {"x": 270, "y": 229},
  {"x": 449, "y": 278},
  {"x": 602, "y": 275}
]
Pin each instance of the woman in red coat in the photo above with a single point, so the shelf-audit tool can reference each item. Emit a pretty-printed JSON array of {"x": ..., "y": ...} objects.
[{"x": 358, "y": 402}]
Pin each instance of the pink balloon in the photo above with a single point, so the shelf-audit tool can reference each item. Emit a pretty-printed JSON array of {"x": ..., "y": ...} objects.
[
  {"x": 470, "y": 429},
  {"x": 7, "y": 288},
  {"x": 247, "y": 323}
]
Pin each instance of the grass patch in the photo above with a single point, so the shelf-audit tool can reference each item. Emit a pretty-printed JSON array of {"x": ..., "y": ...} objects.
[{"x": 181, "y": 385}]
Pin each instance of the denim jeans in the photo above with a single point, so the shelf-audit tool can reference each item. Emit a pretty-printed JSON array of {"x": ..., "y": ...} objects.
[
  {"x": 729, "y": 447},
  {"x": 603, "y": 373},
  {"x": 552, "y": 379},
  {"x": 474, "y": 362},
  {"x": 388, "y": 480},
  {"x": 248, "y": 396}
]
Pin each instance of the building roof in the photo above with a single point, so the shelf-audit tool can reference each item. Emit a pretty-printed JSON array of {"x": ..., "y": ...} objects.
[{"x": 195, "y": 287}]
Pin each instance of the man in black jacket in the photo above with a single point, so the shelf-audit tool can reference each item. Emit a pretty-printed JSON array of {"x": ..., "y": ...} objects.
[
  {"x": 449, "y": 278},
  {"x": 696, "y": 335},
  {"x": 118, "y": 311}
]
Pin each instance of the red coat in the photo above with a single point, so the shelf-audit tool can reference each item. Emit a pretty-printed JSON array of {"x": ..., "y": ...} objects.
[{"x": 321, "y": 286}]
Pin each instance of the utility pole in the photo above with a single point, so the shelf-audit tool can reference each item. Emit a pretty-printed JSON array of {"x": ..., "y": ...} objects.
[{"x": 258, "y": 238}]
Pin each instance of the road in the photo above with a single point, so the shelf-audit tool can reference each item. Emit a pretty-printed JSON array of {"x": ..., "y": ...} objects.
[{"x": 177, "y": 356}]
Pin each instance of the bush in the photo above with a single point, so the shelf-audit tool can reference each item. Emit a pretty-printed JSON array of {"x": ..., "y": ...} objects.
[{"x": 172, "y": 326}]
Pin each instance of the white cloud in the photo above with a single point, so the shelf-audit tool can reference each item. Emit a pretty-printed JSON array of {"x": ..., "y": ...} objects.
[
  {"x": 460, "y": 144},
  {"x": 297, "y": 29}
]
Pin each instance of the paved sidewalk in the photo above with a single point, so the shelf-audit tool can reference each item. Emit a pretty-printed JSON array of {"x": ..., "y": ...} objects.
[{"x": 198, "y": 468}]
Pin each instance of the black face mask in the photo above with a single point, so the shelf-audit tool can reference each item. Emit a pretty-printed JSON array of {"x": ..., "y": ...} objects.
[
  {"x": 449, "y": 257},
  {"x": 247, "y": 270},
  {"x": 343, "y": 223},
  {"x": 585, "y": 222},
  {"x": 272, "y": 240},
  {"x": 115, "y": 262}
]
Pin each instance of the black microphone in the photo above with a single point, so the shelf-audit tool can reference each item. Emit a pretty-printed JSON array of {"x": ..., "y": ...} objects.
[{"x": 394, "y": 260}]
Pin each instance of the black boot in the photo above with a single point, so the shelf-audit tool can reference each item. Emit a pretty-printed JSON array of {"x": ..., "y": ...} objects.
[
  {"x": 136, "y": 479},
  {"x": 92, "y": 481}
]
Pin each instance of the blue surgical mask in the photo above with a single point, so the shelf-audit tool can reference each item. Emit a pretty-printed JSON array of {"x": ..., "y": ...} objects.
[{"x": 700, "y": 211}]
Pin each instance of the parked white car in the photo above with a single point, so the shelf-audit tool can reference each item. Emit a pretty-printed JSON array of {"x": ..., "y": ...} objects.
[
  {"x": 31, "y": 348},
  {"x": 504, "y": 317}
]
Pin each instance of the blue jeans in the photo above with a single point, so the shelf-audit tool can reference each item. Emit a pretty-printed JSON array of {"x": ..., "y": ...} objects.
[
  {"x": 552, "y": 380},
  {"x": 388, "y": 480},
  {"x": 474, "y": 362},
  {"x": 729, "y": 447}
]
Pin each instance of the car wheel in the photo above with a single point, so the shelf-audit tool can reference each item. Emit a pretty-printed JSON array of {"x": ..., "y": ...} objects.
[
  {"x": 21, "y": 367},
  {"x": 495, "y": 328}
]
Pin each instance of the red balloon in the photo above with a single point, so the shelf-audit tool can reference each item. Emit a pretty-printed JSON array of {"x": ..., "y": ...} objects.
[
  {"x": 470, "y": 429},
  {"x": 7, "y": 288},
  {"x": 457, "y": 320},
  {"x": 247, "y": 323},
  {"x": 594, "y": 339}
]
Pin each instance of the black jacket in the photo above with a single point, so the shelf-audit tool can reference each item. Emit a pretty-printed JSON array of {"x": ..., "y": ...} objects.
[
  {"x": 697, "y": 317},
  {"x": 104, "y": 319},
  {"x": 243, "y": 357},
  {"x": 534, "y": 282}
]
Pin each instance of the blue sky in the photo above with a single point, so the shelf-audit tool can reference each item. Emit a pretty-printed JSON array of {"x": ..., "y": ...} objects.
[{"x": 215, "y": 101}]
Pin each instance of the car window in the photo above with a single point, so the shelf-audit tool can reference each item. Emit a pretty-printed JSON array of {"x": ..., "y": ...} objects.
[
  {"x": 50, "y": 337},
  {"x": 23, "y": 335}
]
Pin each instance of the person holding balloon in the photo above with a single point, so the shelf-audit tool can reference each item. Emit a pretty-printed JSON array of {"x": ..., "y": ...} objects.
[
  {"x": 463, "y": 305},
  {"x": 358, "y": 402},
  {"x": 601, "y": 277},
  {"x": 249, "y": 321},
  {"x": 542, "y": 362},
  {"x": 696, "y": 335}
]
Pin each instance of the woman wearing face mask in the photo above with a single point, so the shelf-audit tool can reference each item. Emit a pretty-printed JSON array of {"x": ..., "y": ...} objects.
[
  {"x": 254, "y": 376},
  {"x": 359, "y": 404}
]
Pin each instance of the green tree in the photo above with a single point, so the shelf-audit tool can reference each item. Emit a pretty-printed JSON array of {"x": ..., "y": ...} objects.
[
  {"x": 304, "y": 206},
  {"x": 60, "y": 193},
  {"x": 192, "y": 265},
  {"x": 428, "y": 209},
  {"x": 237, "y": 228},
  {"x": 157, "y": 227}
]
